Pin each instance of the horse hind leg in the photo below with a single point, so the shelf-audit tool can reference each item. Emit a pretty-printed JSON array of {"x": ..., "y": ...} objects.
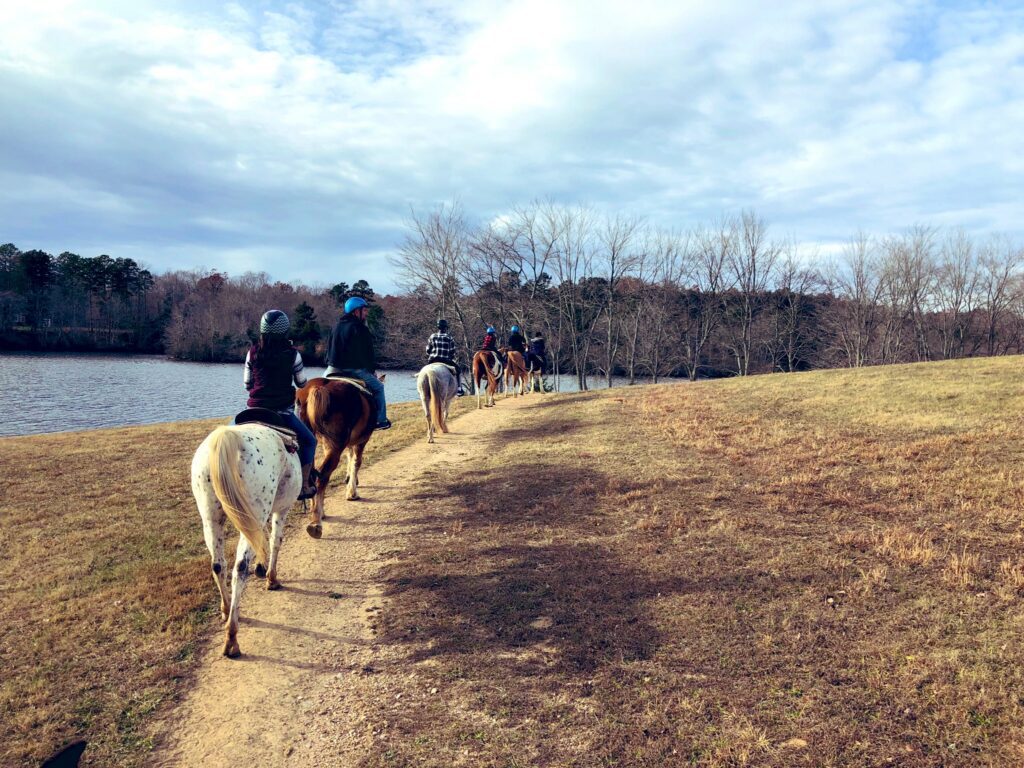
[
  {"x": 353, "y": 473},
  {"x": 331, "y": 458},
  {"x": 243, "y": 560},
  {"x": 213, "y": 533}
]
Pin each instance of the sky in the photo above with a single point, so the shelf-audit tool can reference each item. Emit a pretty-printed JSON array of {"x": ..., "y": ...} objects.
[{"x": 297, "y": 138}]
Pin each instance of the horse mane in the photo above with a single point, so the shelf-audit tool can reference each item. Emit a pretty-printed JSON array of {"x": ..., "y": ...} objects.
[{"x": 224, "y": 450}]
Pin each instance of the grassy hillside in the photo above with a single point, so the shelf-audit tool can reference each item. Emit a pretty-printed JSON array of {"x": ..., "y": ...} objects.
[
  {"x": 820, "y": 569},
  {"x": 105, "y": 588}
]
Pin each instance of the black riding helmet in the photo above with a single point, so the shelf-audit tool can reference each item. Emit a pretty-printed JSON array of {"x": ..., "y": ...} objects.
[{"x": 442, "y": 325}]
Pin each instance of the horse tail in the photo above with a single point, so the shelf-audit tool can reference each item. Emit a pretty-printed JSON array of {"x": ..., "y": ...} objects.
[
  {"x": 225, "y": 448},
  {"x": 436, "y": 411},
  {"x": 317, "y": 408}
]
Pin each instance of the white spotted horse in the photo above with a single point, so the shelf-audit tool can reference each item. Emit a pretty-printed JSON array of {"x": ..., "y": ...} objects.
[{"x": 247, "y": 473}]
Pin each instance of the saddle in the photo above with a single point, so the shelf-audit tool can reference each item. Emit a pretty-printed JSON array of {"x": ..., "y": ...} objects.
[
  {"x": 273, "y": 420},
  {"x": 357, "y": 383}
]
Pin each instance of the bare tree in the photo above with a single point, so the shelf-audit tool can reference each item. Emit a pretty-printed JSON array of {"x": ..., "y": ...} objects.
[
  {"x": 435, "y": 255},
  {"x": 750, "y": 265},
  {"x": 957, "y": 280},
  {"x": 616, "y": 258},
  {"x": 577, "y": 296},
  {"x": 857, "y": 284},
  {"x": 793, "y": 334},
  {"x": 1000, "y": 262},
  {"x": 703, "y": 268}
]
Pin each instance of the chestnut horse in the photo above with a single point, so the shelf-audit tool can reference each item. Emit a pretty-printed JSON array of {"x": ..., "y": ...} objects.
[
  {"x": 246, "y": 474},
  {"x": 342, "y": 414},
  {"x": 437, "y": 386},
  {"x": 515, "y": 372},
  {"x": 486, "y": 366}
]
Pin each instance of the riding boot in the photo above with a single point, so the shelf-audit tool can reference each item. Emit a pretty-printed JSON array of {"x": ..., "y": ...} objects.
[{"x": 309, "y": 478}]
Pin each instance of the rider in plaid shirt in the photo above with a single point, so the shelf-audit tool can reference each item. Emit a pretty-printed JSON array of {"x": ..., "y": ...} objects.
[{"x": 441, "y": 349}]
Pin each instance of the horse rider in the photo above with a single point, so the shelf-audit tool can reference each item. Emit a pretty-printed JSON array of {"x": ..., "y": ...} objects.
[
  {"x": 517, "y": 342},
  {"x": 538, "y": 352},
  {"x": 350, "y": 353},
  {"x": 491, "y": 344},
  {"x": 273, "y": 368},
  {"x": 441, "y": 349}
]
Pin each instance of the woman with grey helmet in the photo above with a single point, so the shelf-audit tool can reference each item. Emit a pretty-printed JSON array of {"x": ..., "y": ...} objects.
[{"x": 273, "y": 368}]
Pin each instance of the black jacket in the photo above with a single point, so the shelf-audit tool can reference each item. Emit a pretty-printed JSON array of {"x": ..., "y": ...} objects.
[
  {"x": 517, "y": 342},
  {"x": 351, "y": 345}
]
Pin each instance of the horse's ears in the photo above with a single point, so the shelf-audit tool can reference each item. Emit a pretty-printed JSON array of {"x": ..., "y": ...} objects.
[{"x": 382, "y": 377}]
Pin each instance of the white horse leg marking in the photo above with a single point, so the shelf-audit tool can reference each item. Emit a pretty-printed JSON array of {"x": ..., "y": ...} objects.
[{"x": 353, "y": 480}]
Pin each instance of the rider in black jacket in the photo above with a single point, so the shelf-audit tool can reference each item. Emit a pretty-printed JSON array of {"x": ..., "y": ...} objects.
[{"x": 350, "y": 353}]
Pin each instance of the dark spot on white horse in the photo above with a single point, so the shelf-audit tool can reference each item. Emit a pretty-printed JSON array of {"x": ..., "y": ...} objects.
[
  {"x": 216, "y": 568},
  {"x": 242, "y": 567}
]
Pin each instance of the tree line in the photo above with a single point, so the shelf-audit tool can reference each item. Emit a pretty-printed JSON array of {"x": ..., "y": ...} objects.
[
  {"x": 615, "y": 296},
  {"x": 612, "y": 295}
]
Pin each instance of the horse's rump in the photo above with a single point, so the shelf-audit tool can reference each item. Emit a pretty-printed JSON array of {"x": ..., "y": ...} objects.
[{"x": 335, "y": 408}]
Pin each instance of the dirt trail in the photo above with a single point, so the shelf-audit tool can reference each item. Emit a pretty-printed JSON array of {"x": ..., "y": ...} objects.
[{"x": 309, "y": 648}]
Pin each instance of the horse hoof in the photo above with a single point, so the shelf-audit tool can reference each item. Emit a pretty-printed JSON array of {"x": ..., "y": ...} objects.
[
  {"x": 260, "y": 571},
  {"x": 316, "y": 531},
  {"x": 352, "y": 497},
  {"x": 274, "y": 585},
  {"x": 232, "y": 651}
]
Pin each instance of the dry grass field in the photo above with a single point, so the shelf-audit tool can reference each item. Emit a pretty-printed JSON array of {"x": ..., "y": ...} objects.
[
  {"x": 105, "y": 589},
  {"x": 821, "y": 569}
]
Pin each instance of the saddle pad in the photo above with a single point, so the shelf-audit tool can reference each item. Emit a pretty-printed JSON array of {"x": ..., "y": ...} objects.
[
  {"x": 357, "y": 383},
  {"x": 288, "y": 436}
]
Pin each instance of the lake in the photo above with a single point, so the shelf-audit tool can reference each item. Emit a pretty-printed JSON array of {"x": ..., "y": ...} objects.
[{"x": 57, "y": 392}]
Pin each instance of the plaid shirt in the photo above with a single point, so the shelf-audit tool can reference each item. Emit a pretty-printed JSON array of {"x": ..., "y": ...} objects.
[{"x": 441, "y": 346}]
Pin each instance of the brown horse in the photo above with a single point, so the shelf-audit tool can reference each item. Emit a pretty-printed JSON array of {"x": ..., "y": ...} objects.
[
  {"x": 486, "y": 367},
  {"x": 343, "y": 415},
  {"x": 515, "y": 372}
]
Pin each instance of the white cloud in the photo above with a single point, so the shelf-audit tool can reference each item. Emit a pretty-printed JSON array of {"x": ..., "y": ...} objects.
[{"x": 309, "y": 129}]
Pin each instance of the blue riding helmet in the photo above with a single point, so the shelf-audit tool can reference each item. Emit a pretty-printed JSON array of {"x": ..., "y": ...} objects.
[
  {"x": 490, "y": 329},
  {"x": 354, "y": 303},
  {"x": 515, "y": 329}
]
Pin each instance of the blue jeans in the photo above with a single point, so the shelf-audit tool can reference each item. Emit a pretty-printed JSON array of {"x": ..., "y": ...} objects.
[
  {"x": 372, "y": 383},
  {"x": 307, "y": 440}
]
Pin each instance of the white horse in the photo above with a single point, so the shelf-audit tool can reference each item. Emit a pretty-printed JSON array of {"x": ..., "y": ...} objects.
[
  {"x": 437, "y": 386},
  {"x": 244, "y": 473}
]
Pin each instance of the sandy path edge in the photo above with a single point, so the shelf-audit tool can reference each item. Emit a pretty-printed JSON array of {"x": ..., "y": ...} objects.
[{"x": 290, "y": 700}]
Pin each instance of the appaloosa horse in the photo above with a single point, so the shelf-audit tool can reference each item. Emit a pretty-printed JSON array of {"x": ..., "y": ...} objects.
[
  {"x": 343, "y": 415},
  {"x": 246, "y": 474},
  {"x": 437, "y": 386},
  {"x": 515, "y": 372},
  {"x": 486, "y": 367}
]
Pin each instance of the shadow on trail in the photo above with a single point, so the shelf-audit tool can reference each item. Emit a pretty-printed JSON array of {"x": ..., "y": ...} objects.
[{"x": 503, "y": 587}]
